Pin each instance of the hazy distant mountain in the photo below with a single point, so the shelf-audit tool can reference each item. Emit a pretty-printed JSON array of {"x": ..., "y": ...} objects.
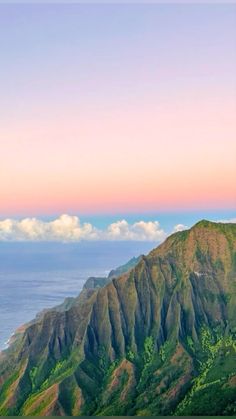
[
  {"x": 158, "y": 340},
  {"x": 98, "y": 282}
]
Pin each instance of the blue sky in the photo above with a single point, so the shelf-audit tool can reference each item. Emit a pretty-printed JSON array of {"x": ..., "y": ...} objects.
[{"x": 167, "y": 219}]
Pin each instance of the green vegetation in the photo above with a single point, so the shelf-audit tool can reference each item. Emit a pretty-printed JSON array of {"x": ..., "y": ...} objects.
[
  {"x": 219, "y": 364},
  {"x": 190, "y": 343},
  {"x": 130, "y": 355},
  {"x": 165, "y": 350},
  {"x": 148, "y": 349}
]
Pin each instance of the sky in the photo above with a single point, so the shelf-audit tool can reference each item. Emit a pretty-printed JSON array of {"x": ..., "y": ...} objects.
[{"x": 117, "y": 109}]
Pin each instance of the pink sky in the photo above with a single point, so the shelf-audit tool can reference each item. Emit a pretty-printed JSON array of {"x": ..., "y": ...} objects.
[
  {"x": 148, "y": 156},
  {"x": 146, "y": 134}
]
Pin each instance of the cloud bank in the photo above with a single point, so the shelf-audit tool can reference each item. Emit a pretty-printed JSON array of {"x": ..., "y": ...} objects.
[
  {"x": 230, "y": 220},
  {"x": 67, "y": 228}
]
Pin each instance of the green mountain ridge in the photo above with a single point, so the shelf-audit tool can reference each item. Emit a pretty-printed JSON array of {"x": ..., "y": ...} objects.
[
  {"x": 158, "y": 340},
  {"x": 98, "y": 282}
]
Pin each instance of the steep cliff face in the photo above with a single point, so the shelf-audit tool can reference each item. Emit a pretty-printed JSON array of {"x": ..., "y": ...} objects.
[{"x": 159, "y": 339}]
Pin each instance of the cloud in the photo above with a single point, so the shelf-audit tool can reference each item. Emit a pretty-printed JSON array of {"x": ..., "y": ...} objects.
[
  {"x": 64, "y": 228},
  {"x": 231, "y": 220},
  {"x": 69, "y": 228},
  {"x": 144, "y": 231},
  {"x": 180, "y": 227}
]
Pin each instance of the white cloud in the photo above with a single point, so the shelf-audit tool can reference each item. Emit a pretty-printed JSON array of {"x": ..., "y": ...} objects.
[
  {"x": 231, "y": 220},
  {"x": 121, "y": 230},
  {"x": 64, "y": 228},
  {"x": 179, "y": 227},
  {"x": 69, "y": 228}
]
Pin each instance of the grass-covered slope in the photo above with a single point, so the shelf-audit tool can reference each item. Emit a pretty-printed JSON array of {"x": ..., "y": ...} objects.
[{"x": 158, "y": 340}]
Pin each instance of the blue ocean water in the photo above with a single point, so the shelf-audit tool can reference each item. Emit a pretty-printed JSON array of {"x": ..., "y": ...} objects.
[{"x": 34, "y": 276}]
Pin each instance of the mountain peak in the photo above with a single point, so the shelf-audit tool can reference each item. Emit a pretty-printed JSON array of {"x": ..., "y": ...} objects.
[
  {"x": 204, "y": 223},
  {"x": 214, "y": 224},
  {"x": 212, "y": 240}
]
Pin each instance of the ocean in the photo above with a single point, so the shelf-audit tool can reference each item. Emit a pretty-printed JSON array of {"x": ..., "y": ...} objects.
[{"x": 34, "y": 276}]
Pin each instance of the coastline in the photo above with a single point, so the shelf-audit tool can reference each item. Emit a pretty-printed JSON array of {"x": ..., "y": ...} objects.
[{"x": 19, "y": 331}]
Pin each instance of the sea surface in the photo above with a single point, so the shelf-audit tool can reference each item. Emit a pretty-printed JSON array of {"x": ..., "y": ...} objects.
[{"x": 34, "y": 276}]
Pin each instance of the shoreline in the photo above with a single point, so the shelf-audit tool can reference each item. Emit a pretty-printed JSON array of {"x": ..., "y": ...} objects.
[{"x": 19, "y": 331}]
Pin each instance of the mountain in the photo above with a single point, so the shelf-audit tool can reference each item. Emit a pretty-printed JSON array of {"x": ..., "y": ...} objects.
[
  {"x": 98, "y": 282},
  {"x": 158, "y": 340},
  {"x": 124, "y": 268}
]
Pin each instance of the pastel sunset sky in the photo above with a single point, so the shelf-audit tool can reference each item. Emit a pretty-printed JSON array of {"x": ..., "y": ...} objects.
[{"x": 117, "y": 108}]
